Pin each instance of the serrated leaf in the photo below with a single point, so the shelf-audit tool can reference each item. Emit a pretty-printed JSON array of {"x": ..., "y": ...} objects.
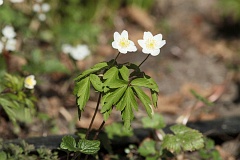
[
  {"x": 107, "y": 114},
  {"x": 116, "y": 83},
  {"x": 96, "y": 82},
  {"x": 127, "y": 99},
  {"x": 145, "y": 100},
  {"x": 127, "y": 116},
  {"x": 185, "y": 139},
  {"x": 110, "y": 75},
  {"x": 147, "y": 148},
  {"x": 113, "y": 98},
  {"x": 145, "y": 82},
  {"x": 154, "y": 98},
  {"x": 171, "y": 143},
  {"x": 124, "y": 71},
  {"x": 88, "y": 146},
  {"x": 95, "y": 68},
  {"x": 83, "y": 92},
  {"x": 68, "y": 143},
  {"x": 156, "y": 122}
]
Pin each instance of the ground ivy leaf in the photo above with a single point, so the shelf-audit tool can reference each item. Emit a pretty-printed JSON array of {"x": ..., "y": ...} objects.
[
  {"x": 96, "y": 82},
  {"x": 156, "y": 122},
  {"x": 147, "y": 148},
  {"x": 83, "y": 92},
  {"x": 145, "y": 100},
  {"x": 97, "y": 67},
  {"x": 68, "y": 143},
  {"x": 185, "y": 139},
  {"x": 124, "y": 71},
  {"x": 171, "y": 143},
  {"x": 88, "y": 146}
]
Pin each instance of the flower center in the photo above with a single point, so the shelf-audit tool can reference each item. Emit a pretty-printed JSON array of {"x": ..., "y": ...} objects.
[
  {"x": 29, "y": 81},
  {"x": 150, "y": 43},
  {"x": 124, "y": 43}
]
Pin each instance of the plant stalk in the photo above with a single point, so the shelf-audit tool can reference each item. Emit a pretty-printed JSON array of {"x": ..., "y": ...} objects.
[
  {"x": 94, "y": 115},
  {"x": 144, "y": 60}
]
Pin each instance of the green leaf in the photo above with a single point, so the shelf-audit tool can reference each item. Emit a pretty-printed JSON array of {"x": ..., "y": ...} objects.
[
  {"x": 127, "y": 116},
  {"x": 154, "y": 98},
  {"x": 3, "y": 155},
  {"x": 127, "y": 99},
  {"x": 113, "y": 98},
  {"x": 156, "y": 122},
  {"x": 110, "y": 75},
  {"x": 147, "y": 148},
  {"x": 185, "y": 139},
  {"x": 116, "y": 83},
  {"x": 107, "y": 114},
  {"x": 68, "y": 143},
  {"x": 117, "y": 129},
  {"x": 145, "y": 82},
  {"x": 96, "y": 82},
  {"x": 82, "y": 90},
  {"x": 201, "y": 98},
  {"x": 94, "y": 69},
  {"x": 145, "y": 100},
  {"x": 88, "y": 146},
  {"x": 124, "y": 71}
]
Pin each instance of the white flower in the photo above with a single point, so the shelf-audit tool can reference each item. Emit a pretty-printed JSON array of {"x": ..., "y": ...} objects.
[
  {"x": 77, "y": 53},
  {"x": 8, "y": 32},
  {"x": 11, "y": 45},
  {"x": 67, "y": 48},
  {"x": 36, "y": 7},
  {"x": 122, "y": 43},
  {"x": 16, "y": 1},
  {"x": 42, "y": 17},
  {"x": 30, "y": 82},
  {"x": 45, "y": 7},
  {"x": 80, "y": 52},
  {"x": 151, "y": 44},
  {"x": 1, "y": 2}
]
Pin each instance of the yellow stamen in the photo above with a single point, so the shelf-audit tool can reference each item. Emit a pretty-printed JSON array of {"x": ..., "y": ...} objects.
[
  {"x": 150, "y": 44},
  {"x": 124, "y": 43}
]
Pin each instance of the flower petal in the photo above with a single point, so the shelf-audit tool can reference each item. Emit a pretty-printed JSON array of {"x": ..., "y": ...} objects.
[
  {"x": 124, "y": 34},
  {"x": 158, "y": 37},
  {"x": 116, "y": 36},
  {"x": 147, "y": 35},
  {"x": 155, "y": 52},
  {"x": 141, "y": 43}
]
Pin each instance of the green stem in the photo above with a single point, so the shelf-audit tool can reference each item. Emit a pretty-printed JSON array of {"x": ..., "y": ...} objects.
[
  {"x": 94, "y": 115},
  {"x": 144, "y": 60}
]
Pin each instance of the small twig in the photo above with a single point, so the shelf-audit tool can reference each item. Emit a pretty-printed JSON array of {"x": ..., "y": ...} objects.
[
  {"x": 94, "y": 115},
  {"x": 144, "y": 60},
  {"x": 98, "y": 131},
  {"x": 117, "y": 57}
]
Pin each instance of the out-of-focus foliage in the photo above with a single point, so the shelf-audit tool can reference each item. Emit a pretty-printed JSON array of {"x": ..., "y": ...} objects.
[{"x": 230, "y": 8}]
